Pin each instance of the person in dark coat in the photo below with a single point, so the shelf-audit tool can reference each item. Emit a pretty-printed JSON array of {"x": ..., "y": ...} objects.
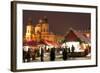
[
  {"x": 64, "y": 52},
  {"x": 42, "y": 54},
  {"x": 69, "y": 49},
  {"x": 24, "y": 55},
  {"x": 52, "y": 54},
  {"x": 73, "y": 49},
  {"x": 29, "y": 54}
]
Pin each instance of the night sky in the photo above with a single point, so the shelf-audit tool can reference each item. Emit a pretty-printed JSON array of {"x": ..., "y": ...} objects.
[{"x": 59, "y": 22}]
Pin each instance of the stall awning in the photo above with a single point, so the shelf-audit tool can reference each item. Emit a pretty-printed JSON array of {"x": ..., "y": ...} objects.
[
  {"x": 30, "y": 43},
  {"x": 51, "y": 43}
]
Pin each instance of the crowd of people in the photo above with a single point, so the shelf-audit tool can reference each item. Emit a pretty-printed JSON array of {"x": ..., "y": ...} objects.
[{"x": 31, "y": 54}]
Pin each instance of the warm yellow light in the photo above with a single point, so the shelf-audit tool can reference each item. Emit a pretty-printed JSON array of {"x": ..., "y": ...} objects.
[{"x": 88, "y": 35}]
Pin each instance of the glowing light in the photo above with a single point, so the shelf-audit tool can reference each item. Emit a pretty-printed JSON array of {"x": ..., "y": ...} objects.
[
  {"x": 87, "y": 35},
  {"x": 75, "y": 44}
]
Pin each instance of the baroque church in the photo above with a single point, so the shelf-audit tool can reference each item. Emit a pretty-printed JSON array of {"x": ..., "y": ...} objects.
[{"x": 39, "y": 32}]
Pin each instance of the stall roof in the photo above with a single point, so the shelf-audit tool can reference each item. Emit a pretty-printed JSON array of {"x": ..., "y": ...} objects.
[{"x": 79, "y": 35}]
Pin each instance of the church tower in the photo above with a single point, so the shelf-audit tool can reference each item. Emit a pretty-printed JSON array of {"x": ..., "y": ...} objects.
[
  {"x": 42, "y": 29},
  {"x": 42, "y": 26},
  {"x": 29, "y": 30},
  {"x": 38, "y": 28},
  {"x": 45, "y": 29},
  {"x": 45, "y": 25}
]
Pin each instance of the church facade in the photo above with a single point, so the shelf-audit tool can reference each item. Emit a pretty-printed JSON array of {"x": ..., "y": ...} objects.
[{"x": 39, "y": 32}]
